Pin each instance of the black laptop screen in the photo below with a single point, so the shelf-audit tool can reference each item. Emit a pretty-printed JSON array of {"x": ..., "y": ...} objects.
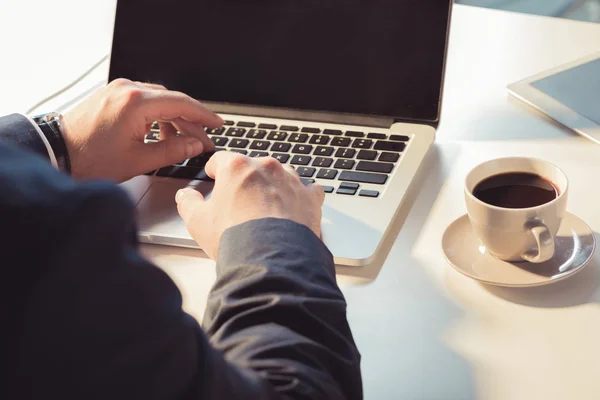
[{"x": 375, "y": 57}]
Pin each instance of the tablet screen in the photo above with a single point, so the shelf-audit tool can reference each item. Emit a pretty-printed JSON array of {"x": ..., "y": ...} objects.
[{"x": 577, "y": 88}]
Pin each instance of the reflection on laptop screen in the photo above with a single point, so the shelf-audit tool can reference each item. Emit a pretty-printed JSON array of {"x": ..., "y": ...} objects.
[{"x": 378, "y": 57}]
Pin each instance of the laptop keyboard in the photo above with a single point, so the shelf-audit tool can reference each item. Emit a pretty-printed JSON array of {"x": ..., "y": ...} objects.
[{"x": 340, "y": 160}]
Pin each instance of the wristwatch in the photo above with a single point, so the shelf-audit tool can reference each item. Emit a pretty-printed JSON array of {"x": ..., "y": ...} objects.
[{"x": 50, "y": 125}]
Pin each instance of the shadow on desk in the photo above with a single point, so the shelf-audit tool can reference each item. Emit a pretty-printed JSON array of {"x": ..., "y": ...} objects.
[
  {"x": 429, "y": 179},
  {"x": 583, "y": 288},
  {"x": 400, "y": 320}
]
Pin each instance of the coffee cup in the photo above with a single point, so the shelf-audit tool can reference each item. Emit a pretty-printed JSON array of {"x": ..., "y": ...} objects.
[{"x": 516, "y": 206}]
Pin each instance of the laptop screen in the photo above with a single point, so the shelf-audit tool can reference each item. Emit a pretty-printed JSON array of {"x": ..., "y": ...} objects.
[{"x": 369, "y": 57}]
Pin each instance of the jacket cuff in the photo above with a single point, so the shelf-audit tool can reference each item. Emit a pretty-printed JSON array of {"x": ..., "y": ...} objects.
[
  {"x": 22, "y": 131},
  {"x": 272, "y": 242}
]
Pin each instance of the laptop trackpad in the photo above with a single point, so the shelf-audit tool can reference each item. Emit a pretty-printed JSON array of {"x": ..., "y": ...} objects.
[{"x": 157, "y": 210}]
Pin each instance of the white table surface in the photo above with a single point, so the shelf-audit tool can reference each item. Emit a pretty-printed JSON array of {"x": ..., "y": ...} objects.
[{"x": 425, "y": 331}]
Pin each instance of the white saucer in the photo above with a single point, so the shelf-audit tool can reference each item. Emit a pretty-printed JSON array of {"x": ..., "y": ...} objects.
[{"x": 575, "y": 246}]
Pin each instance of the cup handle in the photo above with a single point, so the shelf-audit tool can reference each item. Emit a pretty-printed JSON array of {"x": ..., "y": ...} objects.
[{"x": 545, "y": 245}]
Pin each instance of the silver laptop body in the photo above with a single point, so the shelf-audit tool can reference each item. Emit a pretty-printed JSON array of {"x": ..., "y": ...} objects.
[{"x": 366, "y": 161}]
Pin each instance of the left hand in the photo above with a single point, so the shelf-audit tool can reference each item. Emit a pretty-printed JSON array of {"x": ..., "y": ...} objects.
[{"x": 105, "y": 133}]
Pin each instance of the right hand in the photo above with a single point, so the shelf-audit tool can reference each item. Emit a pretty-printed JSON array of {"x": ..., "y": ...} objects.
[{"x": 246, "y": 189}]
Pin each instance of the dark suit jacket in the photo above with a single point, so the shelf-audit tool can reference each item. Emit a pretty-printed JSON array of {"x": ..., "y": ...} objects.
[{"x": 84, "y": 316}]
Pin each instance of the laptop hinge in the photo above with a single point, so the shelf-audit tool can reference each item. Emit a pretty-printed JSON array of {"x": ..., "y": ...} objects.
[{"x": 316, "y": 116}]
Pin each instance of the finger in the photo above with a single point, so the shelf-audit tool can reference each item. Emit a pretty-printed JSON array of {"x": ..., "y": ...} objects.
[
  {"x": 190, "y": 203},
  {"x": 195, "y": 130},
  {"x": 154, "y": 86},
  {"x": 170, "y": 105},
  {"x": 290, "y": 169},
  {"x": 167, "y": 152},
  {"x": 292, "y": 172},
  {"x": 318, "y": 191},
  {"x": 167, "y": 130},
  {"x": 224, "y": 160}
]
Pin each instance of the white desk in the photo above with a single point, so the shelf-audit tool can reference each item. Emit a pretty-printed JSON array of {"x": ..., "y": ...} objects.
[{"x": 425, "y": 331}]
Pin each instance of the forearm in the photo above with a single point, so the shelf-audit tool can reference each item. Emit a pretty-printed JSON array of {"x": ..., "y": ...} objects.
[{"x": 277, "y": 311}]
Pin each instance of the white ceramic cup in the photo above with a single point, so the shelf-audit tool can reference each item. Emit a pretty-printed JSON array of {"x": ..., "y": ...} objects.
[{"x": 517, "y": 234}]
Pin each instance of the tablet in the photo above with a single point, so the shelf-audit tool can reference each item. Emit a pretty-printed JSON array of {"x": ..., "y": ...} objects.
[{"x": 569, "y": 94}]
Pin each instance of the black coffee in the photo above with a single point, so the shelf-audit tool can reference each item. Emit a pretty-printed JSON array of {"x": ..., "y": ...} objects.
[{"x": 515, "y": 190}]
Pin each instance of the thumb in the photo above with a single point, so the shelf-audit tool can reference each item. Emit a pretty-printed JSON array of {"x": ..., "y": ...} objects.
[
  {"x": 170, "y": 151},
  {"x": 190, "y": 204}
]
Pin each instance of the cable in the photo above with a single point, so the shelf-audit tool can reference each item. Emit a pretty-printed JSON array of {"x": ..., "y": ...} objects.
[{"x": 69, "y": 86}]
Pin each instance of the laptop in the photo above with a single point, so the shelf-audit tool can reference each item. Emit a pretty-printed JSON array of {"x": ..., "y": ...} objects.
[{"x": 348, "y": 92}]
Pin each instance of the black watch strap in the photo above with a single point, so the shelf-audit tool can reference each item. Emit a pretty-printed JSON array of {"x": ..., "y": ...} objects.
[{"x": 50, "y": 127}]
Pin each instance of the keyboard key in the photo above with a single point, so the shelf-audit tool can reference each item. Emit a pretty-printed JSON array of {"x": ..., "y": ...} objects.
[
  {"x": 318, "y": 139},
  {"x": 372, "y": 166},
  {"x": 219, "y": 141},
  {"x": 363, "y": 177},
  {"x": 345, "y": 153},
  {"x": 377, "y": 136},
  {"x": 216, "y": 131},
  {"x": 362, "y": 143},
  {"x": 274, "y": 135},
  {"x": 311, "y": 130},
  {"x": 323, "y": 151},
  {"x": 302, "y": 149},
  {"x": 267, "y": 126},
  {"x": 244, "y": 152},
  {"x": 389, "y": 157},
  {"x": 390, "y": 146},
  {"x": 298, "y": 138},
  {"x": 355, "y": 134},
  {"x": 281, "y": 157},
  {"x": 155, "y": 125},
  {"x": 344, "y": 164},
  {"x": 348, "y": 185},
  {"x": 322, "y": 162},
  {"x": 199, "y": 161},
  {"x": 239, "y": 143},
  {"x": 288, "y": 128},
  {"x": 246, "y": 124},
  {"x": 281, "y": 147},
  {"x": 368, "y": 193},
  {"x": 173, "y": 171},
  {"x": 300, "y": 160},
  {"x": 306, "y": 172},
  {"x": 256, "y": 134},
  {"x": 307, "y": 181},
  {"x": 325, "y": 173},
  {"x": 332, "y": 132},
  {"x": 367, "y": 155},
  {"x": 341, "y": 141},
  {"x": 399, "y": 138},
  {"x": 260, "y": 145},
  {"x": 227, "y": 122},
  {"x": 258, "y": 154},
  {"x": 327, "y": 189},
  {"x": 349, "y": 192},
  {"x": 235, "y": 132}
]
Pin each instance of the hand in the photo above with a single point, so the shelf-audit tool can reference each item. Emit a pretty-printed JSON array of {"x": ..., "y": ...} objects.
[
  {"x": 246, "y": 189},
  {"x": 105, "y": 133}
]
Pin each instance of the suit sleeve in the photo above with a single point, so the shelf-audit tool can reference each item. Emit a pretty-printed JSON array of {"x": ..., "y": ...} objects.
[
  {"x": 19, "y": 130},
  {"x": 85, "y": 316}
]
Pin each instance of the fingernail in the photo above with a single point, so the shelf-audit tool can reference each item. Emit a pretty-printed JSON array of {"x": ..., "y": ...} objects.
[{"x": 179, "y": 195}]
